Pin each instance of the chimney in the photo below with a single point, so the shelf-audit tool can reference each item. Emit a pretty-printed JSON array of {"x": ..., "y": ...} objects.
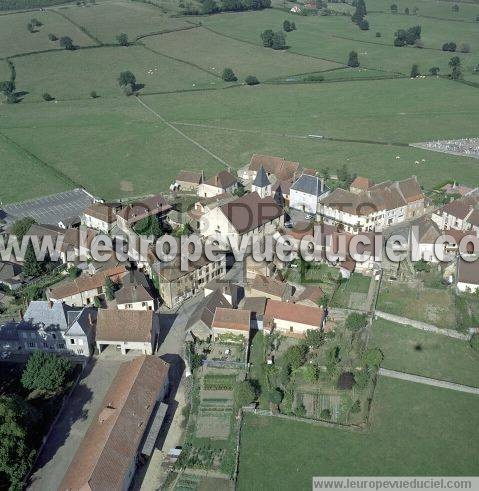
[
  {"x": 21, "y": 314},
  {"x": 90, "y": 318},
  {"x": 50, "y": 304}
]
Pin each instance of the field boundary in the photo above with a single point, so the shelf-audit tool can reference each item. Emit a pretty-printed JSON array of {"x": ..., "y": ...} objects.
[{"x": 78, "y": 26}]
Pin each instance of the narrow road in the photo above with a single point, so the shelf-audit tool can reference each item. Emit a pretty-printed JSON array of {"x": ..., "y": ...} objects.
[
  {"x": 184, "y": 135},
  {"x": 384, "y": 372}
]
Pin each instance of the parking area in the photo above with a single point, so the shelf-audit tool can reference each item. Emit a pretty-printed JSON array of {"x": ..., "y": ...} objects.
[{"x": 49, "y": 209}]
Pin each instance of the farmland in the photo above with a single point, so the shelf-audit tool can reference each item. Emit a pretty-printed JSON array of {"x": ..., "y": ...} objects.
[
  {"x": 407, "y": 420},
  {"x": 115, "y": 147}
]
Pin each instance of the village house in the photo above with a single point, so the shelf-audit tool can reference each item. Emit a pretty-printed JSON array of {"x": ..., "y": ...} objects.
[
  {"x": 257, "y": 307},
  {"x": 292, "y": 319},
  {"x": 11, "y": 275},
  {"x": 231, "y": 291},
  {"x": 381, "y": 206},
  {"x": 276, "y": 168},
  {"x": 223, "y": 182},
  {"x": 176, "y": 286},
  {"x": 155, "y": 206},
  {"x": 83, "y": 290},
  {"x": 204, "y": 205},
  {"x": 306, "y": 192},
  {"x": 263, "y": 286},
  {"x": 127, "y": 330},
  {"x": 135, "y": 293},
  {"x": 458, "y": 189},
  {"x": 232, "y": 322},
  {"x": 100, "y": 216},
  {"x": 311, "y": 296},
  {"x": 124, "y": 430},
  {"x": 199, "y": 321},
  {"x": 188, "y": 180},
  {"x": 461, "y": 214},
  {"x": 53, "y": 327},
  {"x": 467, "y": 275},
  {"x": 249, "y": 215},
  {"x": 76, "y": 245}
]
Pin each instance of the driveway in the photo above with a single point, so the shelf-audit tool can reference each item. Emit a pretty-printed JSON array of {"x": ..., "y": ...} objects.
[{"x": 73, "y": 423}]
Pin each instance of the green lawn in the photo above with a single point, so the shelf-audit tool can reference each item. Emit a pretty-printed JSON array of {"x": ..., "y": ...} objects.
[
  {"x": 422, "y": 353},
  {"x": 108, "y": 19},
  {"x": 432, "y": 305},
  {"x": 344, "y": 295},
  {"x": 15, "y": 39},
  {"x": 416, "y": 430}
]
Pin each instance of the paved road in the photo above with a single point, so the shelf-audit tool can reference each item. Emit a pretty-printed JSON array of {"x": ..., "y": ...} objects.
[
  {"x": 73, "y": 423},
  {"x": 427, "y": 381}
]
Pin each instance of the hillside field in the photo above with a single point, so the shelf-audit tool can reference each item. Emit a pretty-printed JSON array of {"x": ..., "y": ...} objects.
[{"x": 116, "y": 147}]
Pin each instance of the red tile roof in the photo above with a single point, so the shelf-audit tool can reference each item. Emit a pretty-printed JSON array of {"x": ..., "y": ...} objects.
[
  {"x": 291, "y": 312},
  {"x": 110, "y": 446}
]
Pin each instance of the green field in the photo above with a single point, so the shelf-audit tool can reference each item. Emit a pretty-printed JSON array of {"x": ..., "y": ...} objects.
[
  {"x": 108, "y": 19},
  {"x": 416, "y": 430},
  {"x": 115, "y": 147},
  {"x": 413, "y": 351},
  {"x": 15, "y": 39}
]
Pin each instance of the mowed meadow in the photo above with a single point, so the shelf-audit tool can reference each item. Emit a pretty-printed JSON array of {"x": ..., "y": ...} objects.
[{"x": 119, "y": 146}]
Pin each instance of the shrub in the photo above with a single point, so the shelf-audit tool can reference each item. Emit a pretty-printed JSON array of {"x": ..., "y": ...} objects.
[
  {"x": 362, "y": 378},
  {"x": 415, "y": 71},
  {"x": 353, "y": 60},
  {"x": 313, "y": 78},
  {"x": 363, "y": 25},
  {"x": 46, "y": 371},
  {"x": 251, "y": 80},
  {"x": 244, "y": 393},
  {"x": 449, "y": 47},
  {"x": 276, "y": 396},
  {"x": 93, "y": 94},
  {"x": 47, "y": 97},
  {"x": 356, "y": 321},
  {"x": 356, "y": 407},
  {"x": 325, "y": 414},
  {"x": 300, "y": 410},
  {"x": 122, "y": 39},
  {"x": 228, "y": 75},
  {"x": 52, "y": 37},
  {"x": 378, "y": 34}
]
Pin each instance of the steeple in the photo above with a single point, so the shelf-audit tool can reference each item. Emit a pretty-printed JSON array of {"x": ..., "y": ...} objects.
[{"x": 261, "y": 180}]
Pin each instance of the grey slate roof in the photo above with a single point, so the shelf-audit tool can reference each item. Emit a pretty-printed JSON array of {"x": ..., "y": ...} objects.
[
  {"x": 49, "y": 316},
  {"x": 261, "y": 180},
  {"x": 310, "y": 185},
  {"x": 9, "y": 270}
]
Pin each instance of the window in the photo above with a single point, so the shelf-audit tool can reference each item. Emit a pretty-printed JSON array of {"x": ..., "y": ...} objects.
[
  {"x": 61, "y": 345},
  {"x": 72, "y": 341},
  {"x": 291, "y": 329},
  {"x": 54, "y": 336},
  {"x": 45, "y": 345},
  {"x": 31, "y": 345},
  {"x": 80, "y": 351}
]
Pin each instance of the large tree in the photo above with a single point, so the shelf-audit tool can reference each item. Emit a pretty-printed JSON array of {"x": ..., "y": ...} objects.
[
  {"x": 228, "y": 75},
  {"x": 67, "y": 43},
  {"x": 279, "y": 40},
  {"x": 356, "y": 321},
  {"x": 16, "y": 448},
  {"x": 126, "y": 78},
  {"x": 21, "y": 227},
  {"x": 353, "y": 60},
  {"x": 267, "y": 38},
  {"x": 31, "y": 266},
  {"x": 122, "y": 39},
  {"x": 46, "y": 371}
]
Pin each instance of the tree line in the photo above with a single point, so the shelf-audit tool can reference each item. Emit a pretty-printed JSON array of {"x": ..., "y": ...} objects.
[{"x": 214, "y": 6}]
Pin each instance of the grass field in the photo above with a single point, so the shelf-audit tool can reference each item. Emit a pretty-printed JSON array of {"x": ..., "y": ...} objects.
[
  {"x": 15, "y": 39},
  {"x": 101, "y": 70},
  {"x": 367, "y": 123},
  {"x": 108, "y": 19},
  {"x": 413, "y": 351},
  {"x": 415, "y": 430},
  {"x": 432, "y": 305},
  {"x": 243, "y": 58}
]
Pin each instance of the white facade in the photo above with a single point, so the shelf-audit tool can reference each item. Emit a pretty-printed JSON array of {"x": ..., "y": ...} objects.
[
  {"x": 209, "y": 191},
  {"x": 303, "y": 201},
  {"x": 145, "y": 347},
  {"x": 147, "y": 305},
  {"x": 97, "y": 224}
]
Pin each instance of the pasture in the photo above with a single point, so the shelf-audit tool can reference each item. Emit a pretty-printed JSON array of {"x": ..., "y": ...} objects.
[
  {"x": 15, "y": 38},
  {"x": 116, "y": 148},
  {"x": 415, "y": 430},
  {"x": 108, "y": 19},
  {"x": 410, "y": 350}
]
